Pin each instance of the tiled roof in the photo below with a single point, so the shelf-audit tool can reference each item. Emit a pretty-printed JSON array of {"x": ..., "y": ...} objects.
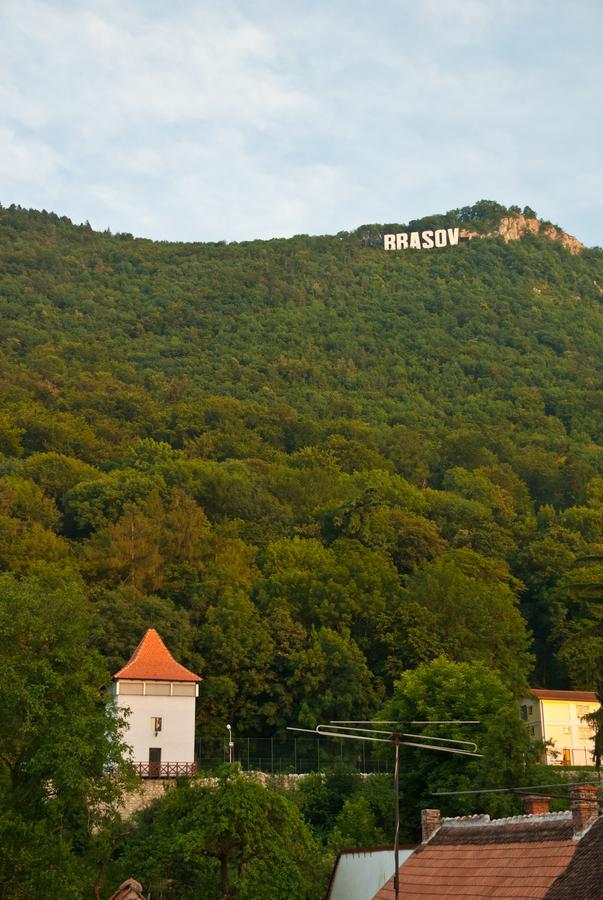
[
  {"x": 129, "y": 890},
  {"x": 519, "y": 857},
  {"x": 152, "y": 661},
  {"x": 518, "y": 829},
  {"x": 583, "y": 878},
  {"x": 589, "y": 696}
]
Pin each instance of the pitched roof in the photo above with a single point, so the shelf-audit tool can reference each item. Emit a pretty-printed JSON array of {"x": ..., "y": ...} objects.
[
  {"x": 129, "y": 890},
  {"x": 517, "y": 857},
  {"x": 152, "y": 661},
  {"x": 583, "y": 878},
  {"x": 564, "y": 695}
]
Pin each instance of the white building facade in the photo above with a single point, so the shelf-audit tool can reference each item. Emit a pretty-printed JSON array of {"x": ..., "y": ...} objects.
[{"x": 160, "y": 695}]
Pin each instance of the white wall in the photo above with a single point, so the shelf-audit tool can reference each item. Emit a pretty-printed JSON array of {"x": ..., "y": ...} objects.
[
  {"x": 360, "y": 874},
  {"x": 177, "y": 736}
]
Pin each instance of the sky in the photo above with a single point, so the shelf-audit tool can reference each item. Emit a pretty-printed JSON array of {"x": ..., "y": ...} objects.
[{"x": 192, "y": 120}]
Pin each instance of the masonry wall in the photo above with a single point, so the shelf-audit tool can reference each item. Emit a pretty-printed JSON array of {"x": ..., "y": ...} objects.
[{"x": 150, "y": 790}]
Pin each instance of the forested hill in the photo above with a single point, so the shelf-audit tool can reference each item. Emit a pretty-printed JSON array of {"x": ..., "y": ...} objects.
[{"x": 298, "y": 454}]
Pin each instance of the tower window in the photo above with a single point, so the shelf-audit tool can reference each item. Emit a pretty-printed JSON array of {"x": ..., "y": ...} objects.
[{"x": 156, "y": 723}]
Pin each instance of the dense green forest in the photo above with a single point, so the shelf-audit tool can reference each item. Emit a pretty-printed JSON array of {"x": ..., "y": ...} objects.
[{"x": 315, "y": 467}]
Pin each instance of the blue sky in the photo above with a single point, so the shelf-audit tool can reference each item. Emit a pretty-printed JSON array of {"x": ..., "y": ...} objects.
[{"x": 190, "y": 120}]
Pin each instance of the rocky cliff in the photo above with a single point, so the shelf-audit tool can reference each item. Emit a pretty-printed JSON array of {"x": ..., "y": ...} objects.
[{"x": 512, "y": 228}]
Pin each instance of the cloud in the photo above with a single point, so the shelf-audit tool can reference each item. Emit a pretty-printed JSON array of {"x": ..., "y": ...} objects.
[
  {"x": 24, "y": 160},
  {"x": 223, "y": 192},
  {"x": 106, "y": 73},
  {"x": 466, "y": 19},
  {"x": 197, "y": 120}
]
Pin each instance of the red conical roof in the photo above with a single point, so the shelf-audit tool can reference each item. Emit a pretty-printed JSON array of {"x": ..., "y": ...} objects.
[{"x": 152, "y": 661}]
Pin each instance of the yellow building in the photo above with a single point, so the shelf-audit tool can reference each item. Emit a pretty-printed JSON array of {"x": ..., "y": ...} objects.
[{"x": 556, "y": 717}]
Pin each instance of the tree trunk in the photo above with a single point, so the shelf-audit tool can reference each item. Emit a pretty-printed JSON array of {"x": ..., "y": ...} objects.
[{"x": 224, "y": 876}]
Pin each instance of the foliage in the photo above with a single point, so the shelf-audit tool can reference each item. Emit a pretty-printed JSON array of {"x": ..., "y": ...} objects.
[
  {"x": 234, "y": 837},
  {"x": 317, "y": 468},
  {"x": 61, "y": 770},
  {"x": 595, "y": 720},
  {"x": 443, "y": 690}
]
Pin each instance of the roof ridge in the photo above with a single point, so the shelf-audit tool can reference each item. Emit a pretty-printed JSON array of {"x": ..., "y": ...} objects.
[
  {"x": 484, "y": 819},
  {"x": 149, "y": 631},
  {"x": 473, "y": 818},
  {"x": 562, "y": 694}
]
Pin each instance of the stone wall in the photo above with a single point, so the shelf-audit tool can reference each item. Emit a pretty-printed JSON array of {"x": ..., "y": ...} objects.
[{"x": 149, "y": 790}]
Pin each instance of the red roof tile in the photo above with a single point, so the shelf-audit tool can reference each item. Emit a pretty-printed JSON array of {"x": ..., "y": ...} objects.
[
  {"x": 517, "y": 858},
  {"x": 152, "y": 661}
]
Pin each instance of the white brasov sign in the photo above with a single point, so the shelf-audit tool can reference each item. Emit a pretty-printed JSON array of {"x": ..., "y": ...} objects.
[{"x": 421, "y": 240}]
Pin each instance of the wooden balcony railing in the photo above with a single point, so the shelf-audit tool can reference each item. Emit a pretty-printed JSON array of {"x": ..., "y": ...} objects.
[{"x": 164, "y": 769}]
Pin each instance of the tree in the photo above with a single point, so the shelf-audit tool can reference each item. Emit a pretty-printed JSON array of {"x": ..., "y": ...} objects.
[
  {"x": 595, "y": 720},
  {"x": 56, "y": 473},
  {"x": 129, "y": 552},
  {"x": 577, "y": 614},
  {"x": 23, "y": 499},
  {"x": 121, "y": 617},
  {"x": 331, "y": 679},
  {"x": 238, "y": 649},
  {"x": 235, "y": 837},
  {"x": 356, "y": 826},
  {"x": 447, "y": 690},
  {"x": 474, "y": 612},
  {"x": 61, "y": 768}
]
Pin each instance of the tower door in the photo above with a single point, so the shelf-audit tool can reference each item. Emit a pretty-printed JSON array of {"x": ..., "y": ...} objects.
[{"x": 154, "y": 762}]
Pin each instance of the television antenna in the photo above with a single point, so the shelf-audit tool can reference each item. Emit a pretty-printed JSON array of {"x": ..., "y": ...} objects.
[{"x": 365, "y": 730}]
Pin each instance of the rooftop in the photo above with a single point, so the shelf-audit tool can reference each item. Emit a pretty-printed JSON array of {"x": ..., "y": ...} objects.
[
  {"x": 472, "y": 859},
  {"x": 584, "y": 875},
  {"x": 152, "y": 661},
  {"x": 589, "y": 696},
  {"x": 557, "y": 856},
  {"x": 129, "y": 890}
]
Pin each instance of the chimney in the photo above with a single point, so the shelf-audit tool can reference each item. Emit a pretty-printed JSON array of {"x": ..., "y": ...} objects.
[
  {"x": 533, "y": 805},
  {"x": 431, "y": 819},
  {"x": 584, "y": 805}
]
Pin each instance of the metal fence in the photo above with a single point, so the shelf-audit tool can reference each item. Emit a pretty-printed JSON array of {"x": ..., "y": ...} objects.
[
  {"x": 569, "y": 756},
  {"x": 292, "y": 754}
]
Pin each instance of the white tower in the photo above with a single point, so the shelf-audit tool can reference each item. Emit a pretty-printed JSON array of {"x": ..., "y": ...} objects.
[{"x": 160, "y": 694}]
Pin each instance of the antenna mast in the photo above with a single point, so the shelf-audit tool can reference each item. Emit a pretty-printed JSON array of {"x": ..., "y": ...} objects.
[{"x": 364, "y": 730}]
